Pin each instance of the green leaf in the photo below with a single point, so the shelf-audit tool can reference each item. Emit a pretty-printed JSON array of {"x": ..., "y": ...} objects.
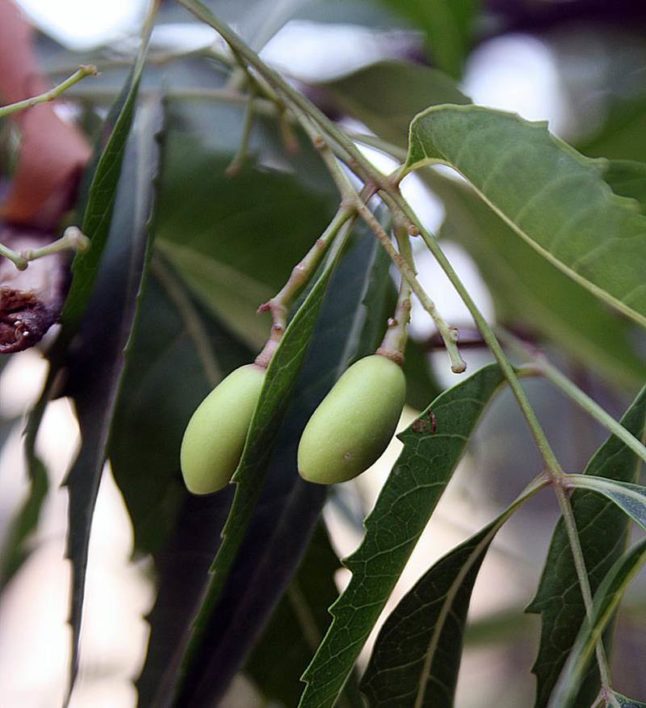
[
  {"x": 349, "y": 326},
  {"x": 417, "y": 653},
  {"x": 235, "y": 239},
  {"x": 97, "y": 205},
  {"x": 523, "y": 282},
  {"x": 386, "y": 96},
  {"x": 178, "y": 354},
  {"x": 630, "y": 498},
  {"x": 297, "y": 627},
  {"x": 447, "y": 26},
  {"x": 552, "y": 196},
  {"x": 249, "y": 476},
  {"x": 602, "y": 533},
  {"x": 96, "y": 369},
  {"x": 430, "y": 454},
  {"x": 101, "y": 197},
  {"x": 605, "y": 603}
]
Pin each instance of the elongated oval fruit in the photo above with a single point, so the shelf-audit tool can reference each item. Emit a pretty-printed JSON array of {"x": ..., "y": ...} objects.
[
  {"x": 354, "y": 423},
  {"x": 216, "y": 433}
]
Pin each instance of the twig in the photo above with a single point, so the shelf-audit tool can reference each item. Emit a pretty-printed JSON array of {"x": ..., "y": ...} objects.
[{"x": 52, "y": 94}]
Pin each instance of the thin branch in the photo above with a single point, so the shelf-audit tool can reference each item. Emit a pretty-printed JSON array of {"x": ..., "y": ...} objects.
[{"x": 52, "y": 94}]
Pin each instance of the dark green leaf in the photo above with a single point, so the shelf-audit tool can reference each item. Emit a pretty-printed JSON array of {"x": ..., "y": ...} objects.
[
  {"x": 417, "y": 654},
  {"x": 235, "y": 239},
  {"x": 297, "y": 627},
  {"x": 249, "y": 476},
  {"x": 97, "y": 206},
  {"x": 288, "y": 508},
  {"x": 101, "y": 197},
  {"x": 433, "y": 445},
  {"x": 602, "y": 533},
  {"x": 447, "y": 26},
  {"x": 605, "y": 602},
  {"x": 178, "y": 354},
  {"x": 552, "y": 196},
  {"x": 521, "y": 281},
  {"x": 98, "y": 360},
  {"x": 630, "y": 498},
  {"x": 388, "y": 95}
]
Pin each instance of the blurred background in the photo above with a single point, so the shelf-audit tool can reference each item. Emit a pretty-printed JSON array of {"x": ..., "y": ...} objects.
[{"x": 580, "y": 65}]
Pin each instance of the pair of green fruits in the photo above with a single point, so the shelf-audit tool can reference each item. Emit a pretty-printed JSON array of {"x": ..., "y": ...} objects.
[{"x": 345, "y": 435}]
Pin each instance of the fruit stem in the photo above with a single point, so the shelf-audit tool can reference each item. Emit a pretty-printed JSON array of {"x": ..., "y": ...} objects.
[
  {"x": 393, "y": 344},
  {"x": 301, "y": 274}
]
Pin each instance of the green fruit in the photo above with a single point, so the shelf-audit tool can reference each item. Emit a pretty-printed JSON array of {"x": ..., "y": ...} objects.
[
  {"x": 216, "y": 433},
  {"x": 354, "y": 423}
]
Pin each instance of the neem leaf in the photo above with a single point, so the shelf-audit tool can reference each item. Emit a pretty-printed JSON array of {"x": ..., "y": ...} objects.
[
  {"x": 249, "y": 476},
  {"x": 417, "y": 653},
  {"x": 521, "y": 281},
  {"x": 98, "y": 206},
  {"x": 605, "y": 602},
  {"x": 433, "y": 445},
  {"x": 288, "y": 508},
  {"x": 630, "y": 498},
  {"x": 178, "y": 354},
  {"x": 101, "y": 197},
  {"x": 602, "y": 533},
  {"x": 553, "y": 197},
  {"x": 99, "y": 356}
]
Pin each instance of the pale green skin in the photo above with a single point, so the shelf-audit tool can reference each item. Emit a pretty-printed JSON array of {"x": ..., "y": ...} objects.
[
  {"x": 354, "y": 423},
  {"x": 216, "y": 433}
]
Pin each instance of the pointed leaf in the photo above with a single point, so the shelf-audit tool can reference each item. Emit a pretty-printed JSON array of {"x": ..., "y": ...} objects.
[
  {"x": 97, "y": 215},
  {"x": 630, "y": 498},
  {"x": 417, "y": 654},
  {"x": 101, "y": 197},
  {"x": 97, "y": 367},
  {"x": 521, "y": 281},
  {"x": 261, "y": 437},
  {"x": 178, "y": 354},
  {"x": 433, "y": 445},
  {"x": 552, "y": 196},
  {"x": 602, "y": 532},
  {"x": 605, "y": 603},
  {"x": 288, "y": 508}
]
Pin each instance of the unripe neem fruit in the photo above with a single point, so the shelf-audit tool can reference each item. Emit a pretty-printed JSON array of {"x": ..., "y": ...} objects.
[
  {"x": 354, "y": 423},
  {"x": 216, "y": 433}
]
